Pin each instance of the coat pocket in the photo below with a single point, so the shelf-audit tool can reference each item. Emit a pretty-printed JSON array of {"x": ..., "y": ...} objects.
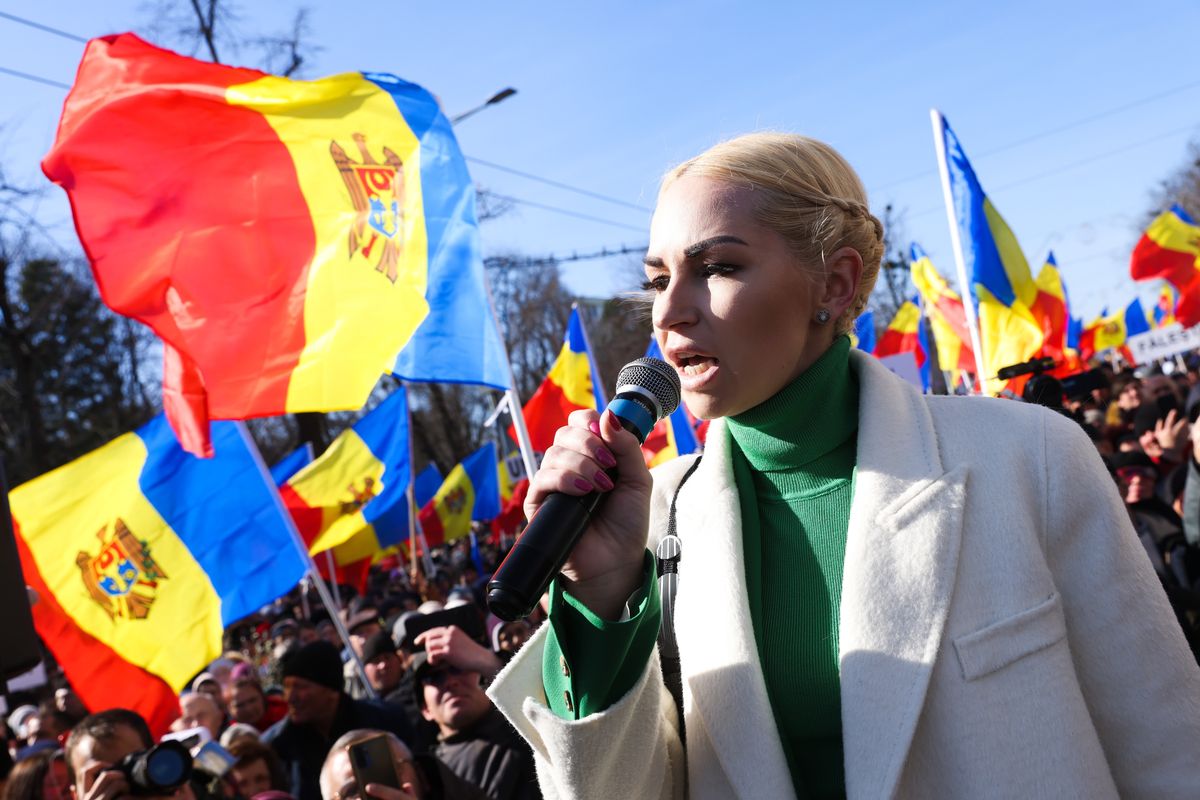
[{"x": 1000, "y": 644}]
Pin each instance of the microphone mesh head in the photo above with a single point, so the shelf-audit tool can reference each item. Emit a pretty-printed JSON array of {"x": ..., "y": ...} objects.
[{"x": 655, "y": 376}]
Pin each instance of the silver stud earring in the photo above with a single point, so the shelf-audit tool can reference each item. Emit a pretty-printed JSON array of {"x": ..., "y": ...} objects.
[{"x": 823, "y": 316}]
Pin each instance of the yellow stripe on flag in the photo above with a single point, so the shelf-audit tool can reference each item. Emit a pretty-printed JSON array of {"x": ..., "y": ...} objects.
[
  {"x": 350, "y": 113},
  {"x": 454, "y": 503},
  {"x": 572, "y": 373},
  {"x": 340, "y": 483},
  {"x": 79, "y": 523}
]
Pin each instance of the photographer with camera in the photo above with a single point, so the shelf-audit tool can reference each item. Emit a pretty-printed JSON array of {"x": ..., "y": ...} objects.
[{"x": 112, "y": 755}]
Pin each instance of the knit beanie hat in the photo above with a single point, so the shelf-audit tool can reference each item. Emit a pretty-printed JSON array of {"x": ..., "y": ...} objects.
[{"x": 318, "y": 662}]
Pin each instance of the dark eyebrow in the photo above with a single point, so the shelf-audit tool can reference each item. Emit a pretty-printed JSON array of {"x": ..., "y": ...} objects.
[{"x": 696, "y": 249}]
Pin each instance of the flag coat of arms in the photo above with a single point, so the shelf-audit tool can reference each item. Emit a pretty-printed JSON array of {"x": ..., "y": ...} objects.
[
  {"x": 1002, "y": 286},
  {"x": 277, "y": 235},
  {"x": 141, "y": 553},
  {"x": 570, "y": 386},
  {"x": 470, "y": 492}
]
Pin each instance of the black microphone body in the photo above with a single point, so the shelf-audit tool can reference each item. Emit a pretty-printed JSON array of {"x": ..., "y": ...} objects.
[{"x": 547, "y": 541}]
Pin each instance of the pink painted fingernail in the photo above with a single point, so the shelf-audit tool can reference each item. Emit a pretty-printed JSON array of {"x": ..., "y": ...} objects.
[
  {"x": 594, "y": 427},
  {"x": 583, "y": 485},
  {"x": 603, "y": 481},
  {"x": 606, "y": 458}
]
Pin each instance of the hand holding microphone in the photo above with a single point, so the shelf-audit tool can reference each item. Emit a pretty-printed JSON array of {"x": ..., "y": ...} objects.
[{"x": 589, "y": 502}]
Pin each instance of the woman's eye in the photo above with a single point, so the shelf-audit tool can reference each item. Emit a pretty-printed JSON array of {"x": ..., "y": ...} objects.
[
  {"x": 656, "y": 284},
  {"x": 712, "y": 270}
]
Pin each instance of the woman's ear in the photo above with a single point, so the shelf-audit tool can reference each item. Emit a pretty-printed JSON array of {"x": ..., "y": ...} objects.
[{"x": 843, "y": 273}]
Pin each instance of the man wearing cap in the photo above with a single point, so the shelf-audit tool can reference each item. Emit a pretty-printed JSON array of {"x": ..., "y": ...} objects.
[
  {"x": 389, "y": 676},
  {"x": 362, "y": 622},
  {"x": 319, "y": 711},
  {"x": 475, "y": 740}
]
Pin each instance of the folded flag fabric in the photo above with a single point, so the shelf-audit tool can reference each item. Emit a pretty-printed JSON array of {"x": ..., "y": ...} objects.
[
  {"x": 947, "y": 317},
  {"x": 902, "y": 334},
  {"x": 1113, "y": 330},
  {"x": 1170, "y": 250},
  {"x": 292, "y": 463},
  {"x": 671, "y": 437},
  {"x": 470, "y": 492},
  {"x": 1002, "y": 286},
  {"x": 1164, "y": 309},
  {"x": 363, "y": 473},
  {"x": 1051, "y": 310},
  {"x": 278, "y": 235},
  {"x": 864, "y": 331},
  {"x": 570, "y": 386},
  {"x": 141, "y": 553}
]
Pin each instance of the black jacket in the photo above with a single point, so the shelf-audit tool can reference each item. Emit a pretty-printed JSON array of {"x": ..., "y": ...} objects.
[
  {"x": 494, "y": 757},
  {"x": 302, "y": 748}
]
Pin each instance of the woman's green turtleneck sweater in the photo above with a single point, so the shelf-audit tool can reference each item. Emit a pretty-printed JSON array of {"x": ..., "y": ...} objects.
[{"x": 793, "y": 460}]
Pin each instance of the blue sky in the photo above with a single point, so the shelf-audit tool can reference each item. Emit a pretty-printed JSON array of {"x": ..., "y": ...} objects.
[{"x": 611, "y": 95}]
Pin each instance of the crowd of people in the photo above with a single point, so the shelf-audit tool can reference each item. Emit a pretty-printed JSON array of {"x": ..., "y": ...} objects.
[{"x": 286, "y": 703}]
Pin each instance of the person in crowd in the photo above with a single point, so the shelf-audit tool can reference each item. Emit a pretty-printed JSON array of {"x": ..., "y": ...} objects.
[
  {"x": 19, "y": 720},
  {"x": 507, "y": 637},
  {"x": 1129, "y": 399},
  {"x": 256, "y": 768},
  {"x": 327, "y": 631},
  {"x": 97, "y": 743},
  {"x": 475, "y": 741},
  {"x": 207, "y": 683},
  {"x": 319, "y": 711},
  {"x": 66, "y": 701},
  {"x": 880, "y": 593},
  {"x": 249, "y": 704},
  {"x": 238, "y": 731},
  {"x": 199, "y": 710},
  {"x": 42, "y": 776},
  {"x": 362, "y": 621},
  {"x": 384, "y": 667},
  {"x": 421, "y": 777}
]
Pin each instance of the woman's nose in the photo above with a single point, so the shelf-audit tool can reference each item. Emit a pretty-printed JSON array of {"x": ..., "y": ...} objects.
[{"x": 675, "y": 305}]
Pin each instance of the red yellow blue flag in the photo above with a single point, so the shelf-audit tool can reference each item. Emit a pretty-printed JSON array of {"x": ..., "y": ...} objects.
[
  {"x": 279, "y": 236},
  {"x": 944, "y": 308},
  {"x": 364, "y": 472},
  {"x": 571, "y": 385},
  {"x": 1164, "y": 309},
  {"x": 1002, "y": 286},
  {"x": 1051, "y": 309},
  {"x": 141, "y": 554},
  {"x": 470, "y": 492},
  {"x": 906, "y": 334},
  {"x": 1170, "y": 249},
  {"x": 671, "y": 437}
]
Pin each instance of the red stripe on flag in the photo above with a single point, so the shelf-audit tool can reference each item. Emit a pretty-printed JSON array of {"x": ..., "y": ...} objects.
[
  {"x": 121, "y": 162},
  {"x": 308, "y": 520},
  {"x": 100, "y": 677},
  {"x": 545, "y": 413}
]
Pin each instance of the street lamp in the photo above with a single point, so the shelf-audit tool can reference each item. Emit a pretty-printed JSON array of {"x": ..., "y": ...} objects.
[{"x": 498, "y": 97}]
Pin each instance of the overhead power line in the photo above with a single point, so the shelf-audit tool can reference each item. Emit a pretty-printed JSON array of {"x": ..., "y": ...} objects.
[
  {"x": 1050, "y": 132},
  {"x": 34, "y": 78},
  {"x": 39, "y": 26},
  {"x": 567, "y": 212},
  {"x": 558, "y": 184},
  {"x": 510, "y": 262}
]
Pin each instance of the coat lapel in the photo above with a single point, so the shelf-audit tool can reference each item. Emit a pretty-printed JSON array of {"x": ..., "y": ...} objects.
[
  {"x": 727, "y": 691},
  {"x": 901, "y": 560}
]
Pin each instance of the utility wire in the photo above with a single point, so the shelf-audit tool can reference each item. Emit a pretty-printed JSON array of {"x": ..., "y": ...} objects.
[
  {"x": 1051, "y": 132},
  {"x": 536, "y": 261},
  {"x": 567, "y": 212},
  {"x": 558, "y": 184},
  {"x": 34, "y": 78},
  {"x": 39, "y": 26}
]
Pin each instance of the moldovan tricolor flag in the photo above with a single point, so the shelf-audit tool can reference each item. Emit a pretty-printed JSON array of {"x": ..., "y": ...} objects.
[
  {"x": 670, "y": 437},
  {"x": 141, "y": 554},
  {"x": 570, "y": 386},
  {"x": 278, "y": 235},
  {"x": 470, "y": 492},
  {"x": 946, "y": 315},
  {"x": 1170, "y": 249},
  {"x": 1164, "y": 309},
  {"x": 1051, "y": 311},
  {"x": 906, "y": 334},
  {"x": 363, "y": 473},
  {"x": 1002, "y": 286}
]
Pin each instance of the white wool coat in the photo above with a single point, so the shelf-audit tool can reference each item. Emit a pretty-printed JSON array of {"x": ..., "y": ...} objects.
[{"x": 1002, "y": 632}]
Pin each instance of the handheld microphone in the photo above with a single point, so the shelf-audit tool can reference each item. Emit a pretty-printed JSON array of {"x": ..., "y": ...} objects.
[{"x": 647, "y": 391}]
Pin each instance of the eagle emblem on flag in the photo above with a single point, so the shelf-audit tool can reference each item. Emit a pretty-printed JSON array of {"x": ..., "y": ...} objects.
[
  {"x": 377, "y": 192},
  {"x": 123, "y": 577}
]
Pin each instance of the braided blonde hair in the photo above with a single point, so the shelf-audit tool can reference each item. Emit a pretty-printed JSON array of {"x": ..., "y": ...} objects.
[{"x": 807, "y": 193}]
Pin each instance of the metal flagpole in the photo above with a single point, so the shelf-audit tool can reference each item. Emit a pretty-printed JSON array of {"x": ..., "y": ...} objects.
[
  {"x": 331, "y": 565},
  {"x": 414, "y": 521},
  {"x": 939, "y": 143},
  {"x": 601, "y": 395},
  {"x": 322, "y": 590},
  {"x": 514, "y": 401}
]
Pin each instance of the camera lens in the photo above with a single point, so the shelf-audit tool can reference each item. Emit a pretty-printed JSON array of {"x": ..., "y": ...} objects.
[{"x": 166, "y": 766}]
